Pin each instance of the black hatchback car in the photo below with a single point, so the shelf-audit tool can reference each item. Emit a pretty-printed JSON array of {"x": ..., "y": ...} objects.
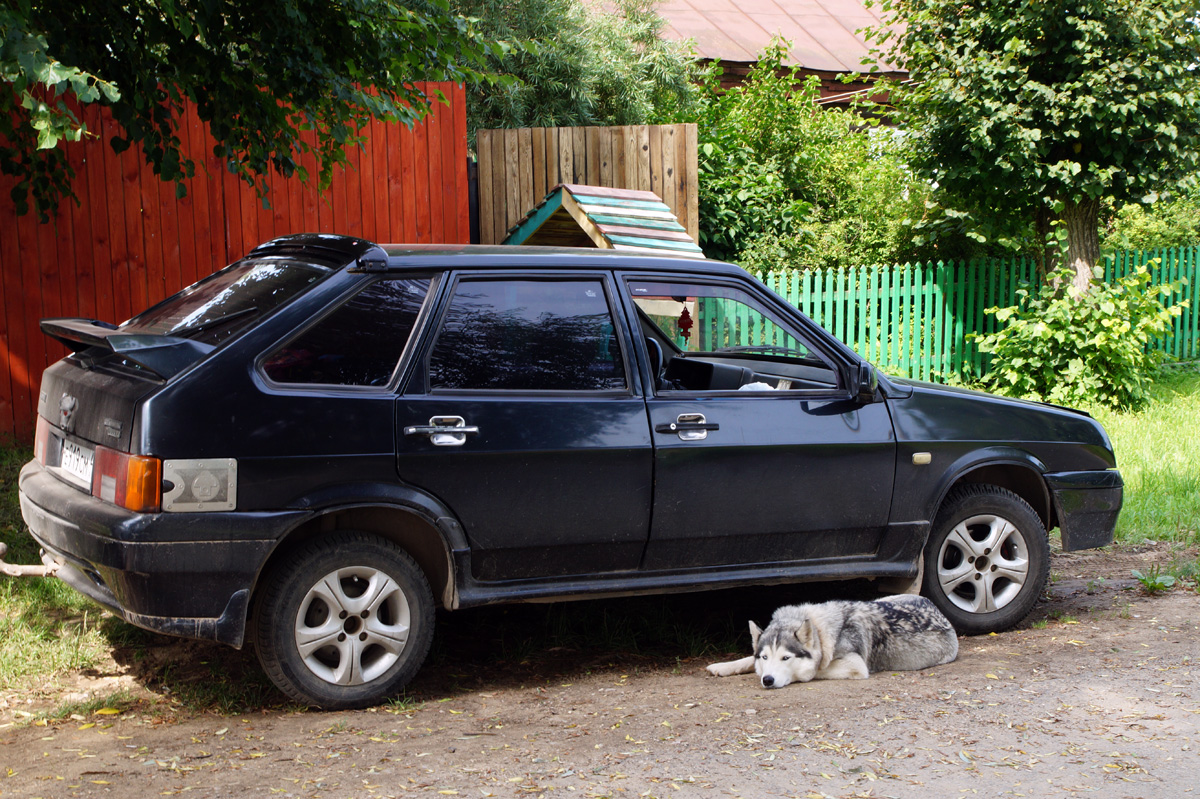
[{"x": 313, "y": 447}]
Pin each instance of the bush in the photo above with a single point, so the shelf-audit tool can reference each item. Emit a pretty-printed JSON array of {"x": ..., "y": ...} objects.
[
  {"x": 1174, "y": 223},
  {"x": 1075, "y": 349},
  {"x": 783, "y": 178}
]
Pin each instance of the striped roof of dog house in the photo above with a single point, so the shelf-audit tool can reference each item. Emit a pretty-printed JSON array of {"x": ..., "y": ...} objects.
[{"x": 597, "y": 216}]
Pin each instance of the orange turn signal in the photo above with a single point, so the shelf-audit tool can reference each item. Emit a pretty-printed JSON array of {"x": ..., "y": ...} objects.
[{"x": 131, "y": 481}]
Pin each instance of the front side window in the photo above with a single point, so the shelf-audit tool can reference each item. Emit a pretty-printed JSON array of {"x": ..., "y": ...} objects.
[
  {"x": 701, "y": 318},
  {"x": 528, "y": 335},
  {"x": 359, "y": 344},
  {"x": 717, "y": 337}
]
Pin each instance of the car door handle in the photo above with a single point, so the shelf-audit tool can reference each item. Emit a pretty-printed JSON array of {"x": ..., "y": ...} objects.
[
  {"x": 689, "y": 427},
  {"x": 443, "y": 431}
]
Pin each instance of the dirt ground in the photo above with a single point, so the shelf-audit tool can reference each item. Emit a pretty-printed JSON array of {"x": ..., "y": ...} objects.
[{"x": 1099, "y": 692}]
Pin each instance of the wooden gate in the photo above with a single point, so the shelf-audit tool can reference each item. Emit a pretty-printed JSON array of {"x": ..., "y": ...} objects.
[{"x": 518, "y": 167}]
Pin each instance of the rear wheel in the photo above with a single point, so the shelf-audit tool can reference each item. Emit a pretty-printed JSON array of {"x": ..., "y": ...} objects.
[
  {"x": 987, "y": 559},
  {"x": 344, "y": 622}
]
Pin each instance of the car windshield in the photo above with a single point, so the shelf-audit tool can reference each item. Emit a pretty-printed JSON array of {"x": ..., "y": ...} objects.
[{"x": 227, "y": 302}]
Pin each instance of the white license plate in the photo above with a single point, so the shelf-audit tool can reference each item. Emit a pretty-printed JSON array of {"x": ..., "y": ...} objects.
[{"x": 77, "y": 461}]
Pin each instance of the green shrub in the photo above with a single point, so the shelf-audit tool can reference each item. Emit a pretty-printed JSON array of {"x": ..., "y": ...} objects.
[
  {"x": 1166, "y": 223},
  {"x": 783, "y": 177},
  {"x": 1075, "y": 349},
  {"x": 744, "y": 200}
]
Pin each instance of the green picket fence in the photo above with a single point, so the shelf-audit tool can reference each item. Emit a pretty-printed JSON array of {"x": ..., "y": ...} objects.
[{"x": 916, "y": 319}]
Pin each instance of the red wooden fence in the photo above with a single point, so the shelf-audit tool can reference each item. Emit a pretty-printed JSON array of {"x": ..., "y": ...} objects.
[{"x": 130, "y": 242}]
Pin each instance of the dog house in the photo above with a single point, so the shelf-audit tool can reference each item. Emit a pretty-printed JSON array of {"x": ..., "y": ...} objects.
[{"x": 597, "y": 216}]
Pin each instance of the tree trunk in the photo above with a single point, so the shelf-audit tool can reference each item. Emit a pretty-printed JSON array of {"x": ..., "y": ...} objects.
[
  {"x": 1047, "y": 251},
  {"x": 1082, "y": 221}
]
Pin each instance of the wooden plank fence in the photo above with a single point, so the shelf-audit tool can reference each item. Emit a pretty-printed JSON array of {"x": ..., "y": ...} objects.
[
  {"x": 915, "y": 320},
  {"x": 517, "y": 168},
  {"x": 130, "y": 242}
]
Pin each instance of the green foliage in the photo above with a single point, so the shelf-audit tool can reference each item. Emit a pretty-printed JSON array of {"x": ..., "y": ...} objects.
[
  {"x": 572, "y": 64},
  {"x": 787, "y": 184},
  {"x": 1023, "y": 110},
  {"x": 1080, "y": 349},
  {"x": 32, "y": 127},
  {"x": 274, "y": 79},
  {"x": 744, "y": 202},
  {"x": 1153, "y": 580},
  {"x": 1173, "y": 223}
]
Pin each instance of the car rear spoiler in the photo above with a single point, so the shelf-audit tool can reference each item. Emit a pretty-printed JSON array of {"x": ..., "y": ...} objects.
[{"x": 165, "y": 356}]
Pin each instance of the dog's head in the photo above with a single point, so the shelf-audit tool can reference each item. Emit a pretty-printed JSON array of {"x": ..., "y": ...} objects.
[{"x": 784, "y": 654}]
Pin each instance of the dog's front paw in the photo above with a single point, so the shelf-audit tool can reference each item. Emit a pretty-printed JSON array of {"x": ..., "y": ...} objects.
[{"x": 731, "y": 667}]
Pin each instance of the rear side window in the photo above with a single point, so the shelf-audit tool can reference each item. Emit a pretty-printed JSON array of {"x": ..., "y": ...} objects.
[
  {"x": 227, "y": 302},
  {"x": 359, "y": 344},
  {"x": 526, "y": 335}
]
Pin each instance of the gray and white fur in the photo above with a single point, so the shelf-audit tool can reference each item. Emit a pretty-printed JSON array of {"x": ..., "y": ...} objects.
[{"x": 844, "y": 640}]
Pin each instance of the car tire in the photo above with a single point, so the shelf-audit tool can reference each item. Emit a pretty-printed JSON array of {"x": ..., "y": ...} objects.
[
  {"x": 344, "y": 622},
  {"x": 987, "y": 559}
]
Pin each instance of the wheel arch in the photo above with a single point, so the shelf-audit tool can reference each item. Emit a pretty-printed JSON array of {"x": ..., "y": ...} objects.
[
  {"x": 1020, "y": 479},
  {"x": 427, "y": 533},
  {"x": 1017, "y": 471}
]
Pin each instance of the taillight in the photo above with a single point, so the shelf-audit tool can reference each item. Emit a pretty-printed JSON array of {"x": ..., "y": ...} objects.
[
  {"x": 41, "y": 440},
  {"x": 131, "y": 481}
]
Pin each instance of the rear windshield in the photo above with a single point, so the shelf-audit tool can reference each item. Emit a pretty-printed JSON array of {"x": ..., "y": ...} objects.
[{"x": 227, "y": 302}]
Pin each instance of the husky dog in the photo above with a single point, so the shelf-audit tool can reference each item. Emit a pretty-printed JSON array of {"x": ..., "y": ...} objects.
[{"x": 842, "y": 640}]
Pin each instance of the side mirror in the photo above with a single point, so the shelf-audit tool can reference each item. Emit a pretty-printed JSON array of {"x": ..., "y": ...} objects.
[{"x": 867, "y": 384}]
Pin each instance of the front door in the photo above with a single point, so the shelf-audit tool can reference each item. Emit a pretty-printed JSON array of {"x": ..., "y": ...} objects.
[
  {"x": 760, "y": 457},
  {"x": 524, "y": 421}
]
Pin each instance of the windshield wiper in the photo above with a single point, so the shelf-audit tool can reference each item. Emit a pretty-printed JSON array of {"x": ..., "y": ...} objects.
[{"x": 184, "y": 332}]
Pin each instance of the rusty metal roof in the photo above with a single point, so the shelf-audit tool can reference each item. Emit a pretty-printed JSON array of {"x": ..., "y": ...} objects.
[
  {"x": 597, "y": 216},
  {"x": 823, "y": 33}
]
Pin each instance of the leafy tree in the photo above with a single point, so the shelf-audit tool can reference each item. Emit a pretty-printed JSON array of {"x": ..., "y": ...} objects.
[
  {"x": 1037, "y": 111},
  {"x": 572, "y": 63},
  {"x": 262, "y": 75}
]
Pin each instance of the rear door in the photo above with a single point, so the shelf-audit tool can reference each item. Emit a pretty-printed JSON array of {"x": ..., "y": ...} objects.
[
  {"x": 524, "y": 418},
  {"x": 760, "y": 457}
]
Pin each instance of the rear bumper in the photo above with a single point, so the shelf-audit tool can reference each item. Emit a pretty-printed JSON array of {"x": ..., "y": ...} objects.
[
  {"x": 187, "y": 574},
  {"x": 1087, "y": 505}
]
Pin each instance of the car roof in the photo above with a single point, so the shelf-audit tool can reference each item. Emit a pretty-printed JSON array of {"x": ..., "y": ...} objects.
[{"x": 368, "y": 256}]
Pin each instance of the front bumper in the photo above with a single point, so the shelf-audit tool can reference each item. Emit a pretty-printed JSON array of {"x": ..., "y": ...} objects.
[
  {"x": 187, "y": 574},
  {"x": 1087, "y": 505}
]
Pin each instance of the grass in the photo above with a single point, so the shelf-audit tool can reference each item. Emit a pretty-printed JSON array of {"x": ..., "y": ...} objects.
[
  {"x": 1158, "y": 453},
  {"x": 46, "y": 628}
]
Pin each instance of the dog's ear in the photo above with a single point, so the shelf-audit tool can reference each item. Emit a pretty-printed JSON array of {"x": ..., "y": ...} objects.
[
  {"x": 804, "y": 634},
  {"x": 755, "y": 633},
  {"x": 812, "y": 637}
]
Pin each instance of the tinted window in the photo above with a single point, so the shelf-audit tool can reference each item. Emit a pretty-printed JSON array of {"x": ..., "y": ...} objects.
[
  {"x": 526, "y": 335},
  {"x": 359, "y": 344},
  {"x": 227, "y": 302}
]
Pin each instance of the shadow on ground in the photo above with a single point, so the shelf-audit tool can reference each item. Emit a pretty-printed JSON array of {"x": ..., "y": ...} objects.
[{"x": 491, "y": 648}]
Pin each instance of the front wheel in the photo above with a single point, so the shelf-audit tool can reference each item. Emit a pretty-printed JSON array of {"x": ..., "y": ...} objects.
[
  {"x": 987, "y": 559},
  {"x": 344, "y": 622}
]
